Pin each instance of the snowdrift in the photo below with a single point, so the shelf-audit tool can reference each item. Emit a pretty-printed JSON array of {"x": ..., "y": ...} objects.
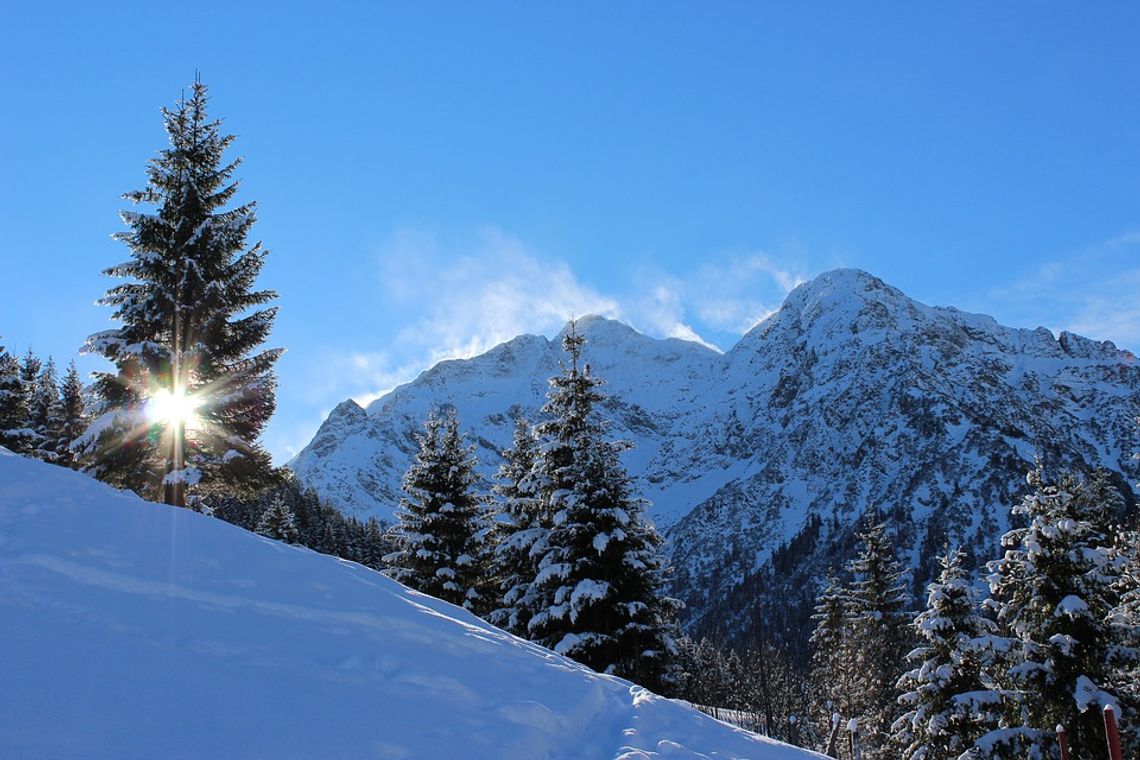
[{"x": 130, "y": 629}]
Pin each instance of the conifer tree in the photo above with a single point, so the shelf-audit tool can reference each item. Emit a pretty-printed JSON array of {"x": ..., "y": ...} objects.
[
  {"x": 944, "y": 695},
  {"x": 600, "y": 578},
  {"x": 29, "y": 373},
  {"x": 880, "y": 630},
  {"x": 14, "y": 433},
  {"x": 74, "y": 419},
  {"x": 30, "y": 437},
  {"x": 1052, "y": 593},
  {"x": 441, "y": 518},
  {"x": 187, "y": 349},
  {"x": 523, "y": 530},
  {"x": 1125, "y": 626},
  {"x": 833, "y": 659},
  {"x": 46, "y": 413},
  {"x": 861, "y": 638},
  {"x": 279, "y": 522}
]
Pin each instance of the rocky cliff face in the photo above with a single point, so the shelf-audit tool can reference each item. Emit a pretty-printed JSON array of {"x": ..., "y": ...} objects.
[{"x": 851, "y": 400}]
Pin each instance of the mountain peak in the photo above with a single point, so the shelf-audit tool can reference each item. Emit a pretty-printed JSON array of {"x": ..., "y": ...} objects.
[
  {"x": 834, "y": 306},
  {"x": 843, "y": 287},
  {"x": 594, "y": 326}
]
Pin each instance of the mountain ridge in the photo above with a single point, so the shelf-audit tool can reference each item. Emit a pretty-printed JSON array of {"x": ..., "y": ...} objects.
[{"x": 850, "y": 397}]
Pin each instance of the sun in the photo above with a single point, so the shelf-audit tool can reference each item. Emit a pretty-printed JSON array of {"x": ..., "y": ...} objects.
[{"x": 174, "y": 408}]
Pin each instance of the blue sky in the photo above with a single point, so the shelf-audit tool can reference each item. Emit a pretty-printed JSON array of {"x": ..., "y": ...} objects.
[{"x": 434, "y": 178}]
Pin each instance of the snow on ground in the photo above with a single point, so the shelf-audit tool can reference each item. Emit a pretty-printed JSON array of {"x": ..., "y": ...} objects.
[{"x": 130, "y": 629}]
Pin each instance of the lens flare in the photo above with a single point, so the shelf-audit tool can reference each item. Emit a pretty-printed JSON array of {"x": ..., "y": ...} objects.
[{"x": 174, "y": 408}]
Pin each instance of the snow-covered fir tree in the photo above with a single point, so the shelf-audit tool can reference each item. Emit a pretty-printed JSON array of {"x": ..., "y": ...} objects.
[
  {"x": 73, "y": 416},
  {"x": 882, "y": 629},
  {"x": 1125, "y": 620},
  {"x": 861, "y": 636},
  {"x": 191, "y": 326},
  {"x": 30, "y": 370},
  {"x": 523, "y": 527},
  {"x": 279, "y": 522},
  {"x": 832, "y": 661},
  {"x": 1125, "y": 626},
  {"x": 14, "y": 432},
  {"x": 46, "y": 413},
  {"x": 1052, "y": 593},
  {"x": 600, "y": 578},
  {"x": 441, "y": 522},
  {"x": 945, "y": 698}
]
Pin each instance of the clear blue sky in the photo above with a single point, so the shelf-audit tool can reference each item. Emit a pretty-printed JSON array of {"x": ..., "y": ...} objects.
[{"x": 436, "y": 177}]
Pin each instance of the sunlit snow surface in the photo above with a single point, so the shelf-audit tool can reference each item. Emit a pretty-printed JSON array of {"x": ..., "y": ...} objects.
[{"x": 130, "y": 629}]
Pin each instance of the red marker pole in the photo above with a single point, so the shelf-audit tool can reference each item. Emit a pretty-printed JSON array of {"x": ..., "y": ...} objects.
[
  {"x": 1113, "y": 736},
  {"x": 1063, "y": 740}
]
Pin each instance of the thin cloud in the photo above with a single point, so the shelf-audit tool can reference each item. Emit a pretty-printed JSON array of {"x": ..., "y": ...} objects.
[
  {"x": 1092, "y": 293},
  {"x": 737, "y": 294},
  {"x": 472, "y": 300},
  {"x": 730, "y": 296},
  {"x": 461, "y": 299}
]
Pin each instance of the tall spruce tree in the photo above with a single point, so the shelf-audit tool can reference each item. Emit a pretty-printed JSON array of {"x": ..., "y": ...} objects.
[
  {"x": 1125, "y": 626},
  {"x": 833, "y": 661},
  {"x": 190, "y": 333},
  {"x": 523, "y": 528},
  {"x": 441, "y": 521},
  {"x": 1052, "y": 594},
  {"x": 601, "y": 577},
  {"x": 880, "y": 627},
  {"x": 944, "y": 696}
]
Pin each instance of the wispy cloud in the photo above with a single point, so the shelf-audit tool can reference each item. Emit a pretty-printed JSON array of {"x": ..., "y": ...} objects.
[
  {"x": 470, "y": 300},
  {"x": 736, "y": 294},
  {"x": 456, "y": 300},
  {"x": 728, "y": 295},
  {"x": 1095, "y": 293}
]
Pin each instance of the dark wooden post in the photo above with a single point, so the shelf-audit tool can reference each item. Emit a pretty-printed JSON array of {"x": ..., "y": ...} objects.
[
  {"x": 1112, "y": 734},
  {"x": 1063, "y": 741}
]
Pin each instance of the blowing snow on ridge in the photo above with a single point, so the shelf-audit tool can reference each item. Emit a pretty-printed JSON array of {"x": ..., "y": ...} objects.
[
  {"x": 851, "y": 398},
  {"x": 139, "y": 630}
]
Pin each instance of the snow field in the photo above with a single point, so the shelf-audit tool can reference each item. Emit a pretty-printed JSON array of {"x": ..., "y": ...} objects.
[{"x": 133, "y": 629}]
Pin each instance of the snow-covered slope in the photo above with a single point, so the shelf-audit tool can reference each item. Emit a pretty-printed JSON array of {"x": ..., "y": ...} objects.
[
  {"x": 133, "y": 630},
  {"x": 851, "y": 397}
]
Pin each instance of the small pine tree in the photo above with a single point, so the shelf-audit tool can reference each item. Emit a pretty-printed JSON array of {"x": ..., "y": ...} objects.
[
  {"x": 1052, "y": 594},
  {"x": 601, "y": 576},
  {"x": 14, "y": 433},
  {"x": 522, "y": 531},
  {"x": 46, "y": 413},
  {"x": 441, "y": 518},
  {"x": 74, "y": 418},
  {"x": 29, "y": 376},
  {"x": 944, "y": 695},
  {"x": 278, "y": 522}
]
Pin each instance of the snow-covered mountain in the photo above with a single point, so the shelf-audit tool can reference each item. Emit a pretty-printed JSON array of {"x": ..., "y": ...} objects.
[
  {"x": 136, "y": 630},
  {"x": 851, "y": 397}
]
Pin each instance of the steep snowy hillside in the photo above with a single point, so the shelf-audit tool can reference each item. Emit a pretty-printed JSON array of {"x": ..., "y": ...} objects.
[
  {"x": 136, "y": 630},
  {"x": 851, "y": 398}
]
